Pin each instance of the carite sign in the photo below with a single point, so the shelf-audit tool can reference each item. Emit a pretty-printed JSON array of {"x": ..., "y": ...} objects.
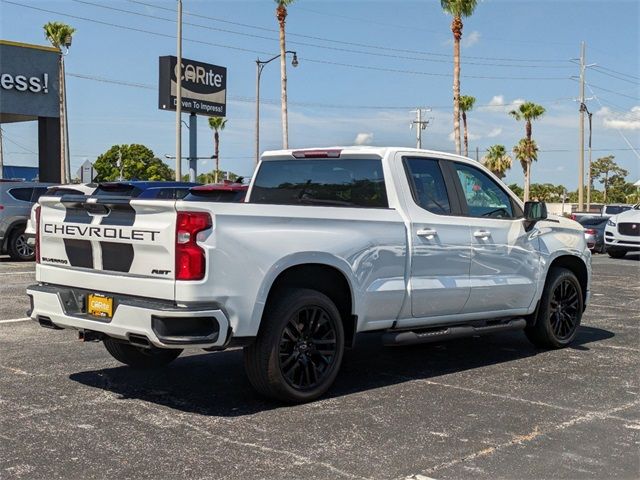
[{"x": 204, "y": 87}]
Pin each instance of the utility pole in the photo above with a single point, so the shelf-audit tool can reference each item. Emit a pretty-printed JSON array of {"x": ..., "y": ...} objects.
[
  {"x": 477, "y": 154},
  {"x": 179, "y": 97},
  {"x": 420, "y": 125},
  {"x": 581, "y": 163},
  {"x": 583, "y": 109},
  {"x": 193, "y": 147}
]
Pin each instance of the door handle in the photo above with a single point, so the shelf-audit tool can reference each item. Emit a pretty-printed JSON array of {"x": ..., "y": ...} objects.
[
  {"x": 428, "y": 233},
  {"x": 481, "y": 234}
]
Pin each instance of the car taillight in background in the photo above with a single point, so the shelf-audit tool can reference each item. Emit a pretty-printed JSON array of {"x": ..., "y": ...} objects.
[
  {"x": 190, "y": 258},
  {"x": 38, "y": 234},
  {"x": 590, "y": 231}
]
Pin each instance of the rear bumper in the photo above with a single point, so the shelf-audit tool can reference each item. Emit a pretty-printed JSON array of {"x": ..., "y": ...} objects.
[{"x": 162, "y": 323}]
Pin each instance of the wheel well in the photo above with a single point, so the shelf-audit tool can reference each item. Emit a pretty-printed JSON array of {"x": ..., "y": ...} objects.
[
  {"x": 577, "y": 266},
  {"x": 7, "y": 234},
  {"x": 327, "y": 280}
]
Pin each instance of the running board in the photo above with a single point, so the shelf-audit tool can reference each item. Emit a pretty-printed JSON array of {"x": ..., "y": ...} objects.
[{"x": 408, "y": 337}]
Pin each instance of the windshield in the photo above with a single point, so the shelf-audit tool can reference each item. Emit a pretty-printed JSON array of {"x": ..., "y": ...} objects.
[{"x": 616, "y": 209}]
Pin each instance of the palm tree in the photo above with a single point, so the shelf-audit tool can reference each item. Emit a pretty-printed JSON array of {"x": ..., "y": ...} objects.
[
  {"x": 497, "y": 160},
  {"x": 528, "y": 112},
  {"x": 60, "y": 35},
  {"x": 217, "y": 124},
  {"x": 457, "y": 9},
  {"x": 526, "y": 152},
  {"x": 466, "y": 105},
  {"x": 281, "y": 15}
]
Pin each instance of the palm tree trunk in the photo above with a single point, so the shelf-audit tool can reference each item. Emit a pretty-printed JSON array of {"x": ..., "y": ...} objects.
[
  {"x": 281, "y": 14},
  {"x": 216, "y": 142},
  {"x": 466, "y": 140},
  {"x": 456, "y": 28},
  {"x": 527, "y": 181}
]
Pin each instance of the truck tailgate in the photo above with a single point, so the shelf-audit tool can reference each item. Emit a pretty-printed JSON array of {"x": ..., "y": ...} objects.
[{"x": 108, "y": 244}]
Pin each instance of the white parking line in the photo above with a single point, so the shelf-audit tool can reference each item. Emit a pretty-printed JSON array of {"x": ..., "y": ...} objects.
[{"x": 15, "y": 320}]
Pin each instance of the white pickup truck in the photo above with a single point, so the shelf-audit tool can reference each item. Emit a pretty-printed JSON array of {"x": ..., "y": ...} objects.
[{"x": 421, "y": 245}]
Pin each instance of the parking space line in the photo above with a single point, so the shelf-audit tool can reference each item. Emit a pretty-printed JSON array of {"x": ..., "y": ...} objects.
[{"x": 15, "y": 320}]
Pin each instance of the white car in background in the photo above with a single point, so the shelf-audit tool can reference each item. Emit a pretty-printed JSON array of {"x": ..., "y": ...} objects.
[
  {"x": 55, "y": 191},
  {"x": 622, "y": 233}
]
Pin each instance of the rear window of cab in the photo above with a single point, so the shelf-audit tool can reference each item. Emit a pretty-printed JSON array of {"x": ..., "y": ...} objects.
[{"x": 321, "y": 182}]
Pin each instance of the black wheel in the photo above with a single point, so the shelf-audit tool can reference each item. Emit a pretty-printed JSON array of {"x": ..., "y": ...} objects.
[
  {"x": 17, "y": 247},
  {"x": 560, "y": 311},
  {"x": 615, "y": 253},
  {"x": 298, "y": 351},
  {"x": 138, "y": 357}
]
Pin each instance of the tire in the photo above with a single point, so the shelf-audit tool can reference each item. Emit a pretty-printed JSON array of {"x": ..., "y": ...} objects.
[
  {"x": 138, "y": 357},
  {"x": 17, "y": 246},
  {"x": 615, "y": 253},
  {"x": 298, "y": 351},
  {"x": 560, "y": 311}
]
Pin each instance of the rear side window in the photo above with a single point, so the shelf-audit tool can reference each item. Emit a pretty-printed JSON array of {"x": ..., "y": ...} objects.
[
  {"x": 616, "y": 209},
  {"x": 427, "y": 185},
  {"x": 59, "y": 192},
  {"x": 329, "y": 183},
  {"x": 23, "y": 194}
]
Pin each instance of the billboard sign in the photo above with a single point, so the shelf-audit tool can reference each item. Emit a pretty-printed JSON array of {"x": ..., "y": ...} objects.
[
  {"x": 204, "y": 87},
  {"x": 28, "y": 82}
]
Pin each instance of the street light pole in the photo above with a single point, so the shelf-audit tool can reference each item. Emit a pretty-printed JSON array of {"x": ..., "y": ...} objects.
[
  {"x": 179, "y": 97},
  {"x": 584, "y": 109},
  {"x": 259, "y": 67}
]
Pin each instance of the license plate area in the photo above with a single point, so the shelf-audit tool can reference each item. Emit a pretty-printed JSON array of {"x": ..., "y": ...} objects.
[{"x": 100, "y": 306}]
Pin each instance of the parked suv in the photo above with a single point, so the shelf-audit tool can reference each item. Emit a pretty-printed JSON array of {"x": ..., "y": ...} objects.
[
  {"x": 16, "y": 200},
  {"x": 622, "y": 233}
]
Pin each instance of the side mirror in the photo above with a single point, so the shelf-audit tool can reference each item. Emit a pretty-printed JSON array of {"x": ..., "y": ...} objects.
[{"x": 534, "y": 212}]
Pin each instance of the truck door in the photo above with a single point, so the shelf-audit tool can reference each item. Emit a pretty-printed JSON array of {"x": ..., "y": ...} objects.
[
  {"x": 505, "y": 263},
  {"x": 439, "y": 243}
]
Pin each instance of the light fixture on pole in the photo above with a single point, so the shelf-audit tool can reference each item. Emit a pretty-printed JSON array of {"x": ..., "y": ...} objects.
[
  {"x": 259, "y": 67},
  {"x": 65, "y": 173}
]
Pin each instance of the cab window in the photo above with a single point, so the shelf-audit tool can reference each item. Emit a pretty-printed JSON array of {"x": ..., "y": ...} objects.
[
  {"x": 483, "y": 196},
  {"x": 427, "y": 185}
]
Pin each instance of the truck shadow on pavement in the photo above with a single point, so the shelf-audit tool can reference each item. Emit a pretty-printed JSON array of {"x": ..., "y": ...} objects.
[{"x": 214, "y": 384}]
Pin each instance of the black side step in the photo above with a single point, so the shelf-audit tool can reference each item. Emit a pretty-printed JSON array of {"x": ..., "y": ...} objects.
[{"x": 409, "y": 337}]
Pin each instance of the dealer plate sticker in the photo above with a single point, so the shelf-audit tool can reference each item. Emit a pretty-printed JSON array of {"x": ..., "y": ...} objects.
[{"x": 99, "y": 305}]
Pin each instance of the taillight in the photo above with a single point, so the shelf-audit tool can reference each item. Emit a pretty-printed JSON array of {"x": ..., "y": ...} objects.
[
  {"x": 590, "y": 231},
  {"x": 38, "y": 234},
  {"x": 190, "y": 258}
]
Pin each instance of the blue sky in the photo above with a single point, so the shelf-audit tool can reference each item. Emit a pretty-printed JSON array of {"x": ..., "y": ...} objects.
[{"x": 363, "y": 66}]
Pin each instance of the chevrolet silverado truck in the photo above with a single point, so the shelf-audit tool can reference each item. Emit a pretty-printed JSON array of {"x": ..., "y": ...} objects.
[{"x": 420, "y": 245}]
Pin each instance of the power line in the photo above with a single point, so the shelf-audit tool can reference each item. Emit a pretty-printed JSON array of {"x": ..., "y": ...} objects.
[
  {"x": 4, "y": 136},
  {"x": 619, "y": 73},
  {"x": 306, "y": 44},
  {"x": 310, "y": 60},
  {"x": 602, "y": 72},
  {"x": 342, "y": 42},
  {"x": 613, "y": 91}
]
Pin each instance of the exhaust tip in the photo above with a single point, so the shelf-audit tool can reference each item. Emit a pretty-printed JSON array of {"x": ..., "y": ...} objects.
[
  {"x": 139, "y": 340},
  {"x": 47, "y": 323}
]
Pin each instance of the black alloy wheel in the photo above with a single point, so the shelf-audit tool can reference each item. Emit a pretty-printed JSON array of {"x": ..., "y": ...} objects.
[
  {"x": 308, "y": 348},
  {"x": 556, "y": 322},
  {"x": 564, "y": 309}
]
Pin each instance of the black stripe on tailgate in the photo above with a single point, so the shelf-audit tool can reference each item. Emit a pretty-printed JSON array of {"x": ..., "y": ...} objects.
[
  {"x": 79, "y": 252},
  {"x": 116, "y": 257}
]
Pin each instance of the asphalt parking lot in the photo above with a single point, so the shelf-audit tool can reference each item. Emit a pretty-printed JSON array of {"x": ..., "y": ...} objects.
[{"x": 491, "y": 407}]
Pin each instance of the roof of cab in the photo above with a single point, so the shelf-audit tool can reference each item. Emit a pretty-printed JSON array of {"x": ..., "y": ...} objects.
[{"x": 355, "y": 151}]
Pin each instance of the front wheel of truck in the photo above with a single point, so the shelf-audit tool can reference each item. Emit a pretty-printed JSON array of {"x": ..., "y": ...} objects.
[
  {"x": 299, "y": 349},
  {"x": 138, "y": 357}
]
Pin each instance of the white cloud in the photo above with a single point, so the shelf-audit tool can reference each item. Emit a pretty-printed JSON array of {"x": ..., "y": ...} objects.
[
  {"x": 494, "y": 133},
  {"x": 364, "y": 138},
  {"x": 621, "y": 121},
  {"x": 471, "y": 136},
  {"x": 496, "y": 101},
  {"x": 470, "y": 39},
  {"x": 518, "y": 101}
]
